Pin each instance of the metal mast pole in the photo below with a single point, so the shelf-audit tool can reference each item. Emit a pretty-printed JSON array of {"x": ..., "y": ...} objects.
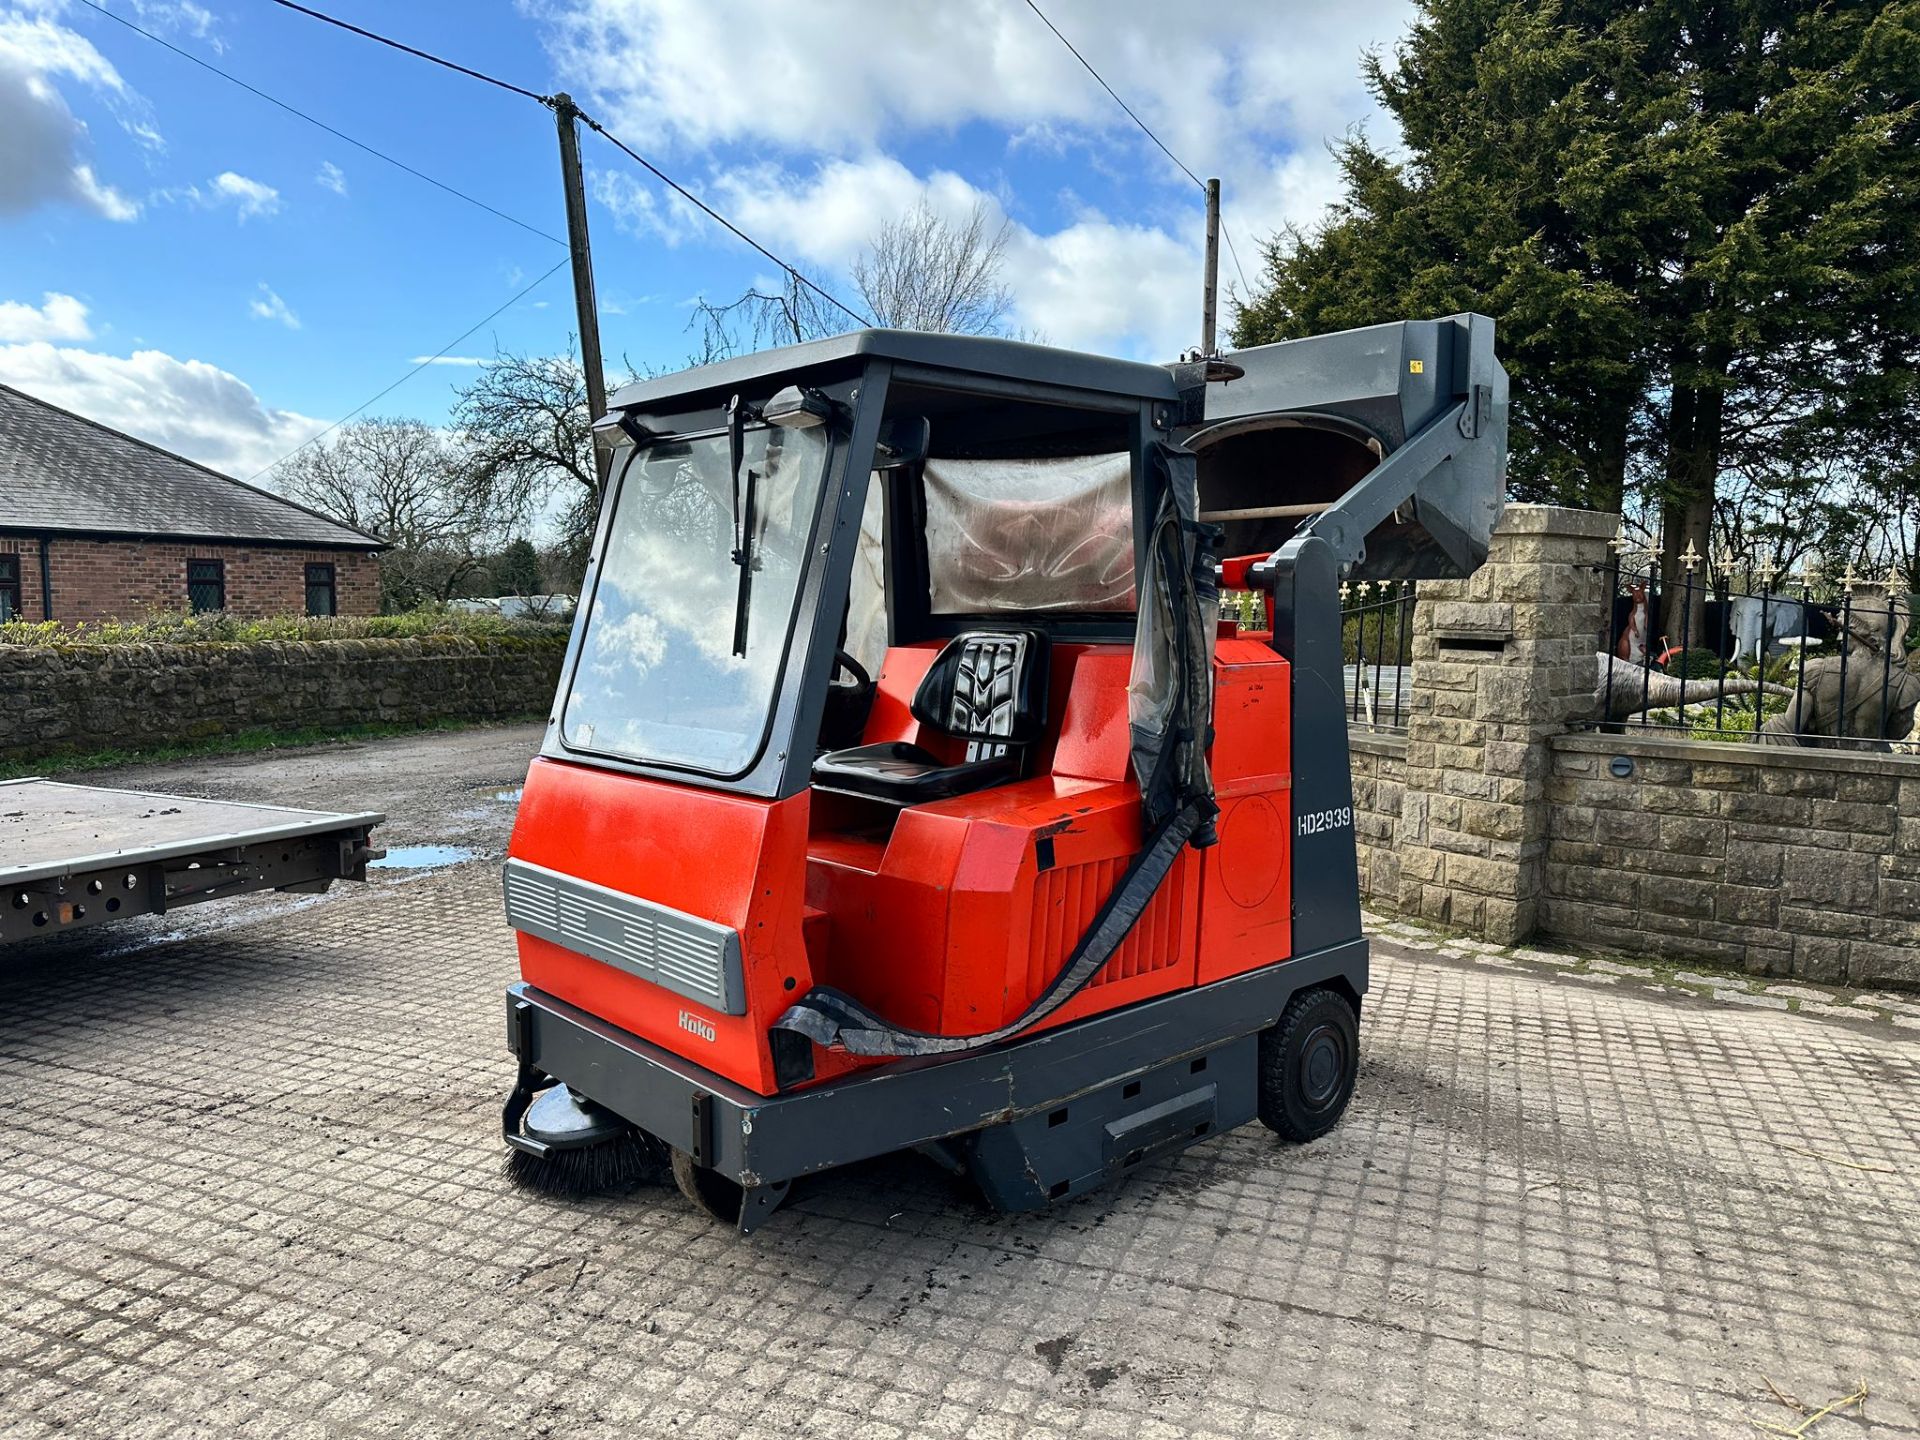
[
  {"x": 1210, "y": 296},
  {"x": 586, "y": 311}
]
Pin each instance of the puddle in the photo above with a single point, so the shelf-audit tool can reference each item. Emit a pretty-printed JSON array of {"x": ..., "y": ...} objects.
[
  {"x": 421, "y": 857},
  {"x": 508, "y": 796}
]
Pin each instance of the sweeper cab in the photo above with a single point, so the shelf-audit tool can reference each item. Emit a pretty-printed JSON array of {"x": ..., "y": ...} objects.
[{"x": 905, "y": 790}]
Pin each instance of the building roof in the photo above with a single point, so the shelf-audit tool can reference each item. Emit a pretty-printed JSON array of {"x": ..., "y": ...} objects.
[{"x": 63, "y": 474}]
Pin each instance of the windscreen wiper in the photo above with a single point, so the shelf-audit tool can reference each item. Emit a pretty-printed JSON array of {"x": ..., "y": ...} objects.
[{"x": 743, "y": 508}]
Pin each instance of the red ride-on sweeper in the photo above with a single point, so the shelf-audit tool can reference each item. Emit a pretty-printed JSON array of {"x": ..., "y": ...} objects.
[{"x": 904, "y": 789}]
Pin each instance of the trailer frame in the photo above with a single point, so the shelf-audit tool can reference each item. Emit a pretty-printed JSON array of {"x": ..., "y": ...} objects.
[{"x": 161, "y": 852}]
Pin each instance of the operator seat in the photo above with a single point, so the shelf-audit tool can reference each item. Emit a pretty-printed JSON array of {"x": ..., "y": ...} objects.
[{"x": 987, "y": 687}]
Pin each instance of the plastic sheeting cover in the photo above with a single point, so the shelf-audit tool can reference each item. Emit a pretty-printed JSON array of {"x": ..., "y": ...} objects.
[
  {"x": 1051, "y": 534},
  {"x": 867, "y": 600}
]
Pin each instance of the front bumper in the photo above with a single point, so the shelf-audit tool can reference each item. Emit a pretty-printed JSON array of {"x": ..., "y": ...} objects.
[{"x": 760, "y": 1140}]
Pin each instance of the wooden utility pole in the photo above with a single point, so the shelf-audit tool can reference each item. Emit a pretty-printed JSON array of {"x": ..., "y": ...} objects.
[
  {"x": 587, "y": 312},
  {"x": 1210, "y": 296}
]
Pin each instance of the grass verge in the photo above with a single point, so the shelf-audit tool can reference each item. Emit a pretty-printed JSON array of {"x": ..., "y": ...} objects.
[{"x": 244, "y": 742}]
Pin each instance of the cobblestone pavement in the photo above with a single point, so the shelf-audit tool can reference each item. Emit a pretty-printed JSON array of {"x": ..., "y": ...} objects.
[{"x": 250, "y": 1185}]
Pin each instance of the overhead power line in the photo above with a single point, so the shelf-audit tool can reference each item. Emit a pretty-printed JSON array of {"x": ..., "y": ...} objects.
[
  {"x": 721, "y": 220},
  {"x": 1145, "y": 128},
  {"x": 798, "y": 275},
  {"x": 298, "y": 113},
  {"x": 441, "y": 353},
  {"x": 323, "y": 125},
  {"x": 416, "y": 53},
  {"x": 1234, "y": 252}
]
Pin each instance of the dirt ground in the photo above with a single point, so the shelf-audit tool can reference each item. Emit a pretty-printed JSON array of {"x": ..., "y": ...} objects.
[{"x": 250, "y": 1184}]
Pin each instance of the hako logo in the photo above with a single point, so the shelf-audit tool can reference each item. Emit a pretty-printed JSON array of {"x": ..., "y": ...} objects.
[{"x": 694, "y": 1025}]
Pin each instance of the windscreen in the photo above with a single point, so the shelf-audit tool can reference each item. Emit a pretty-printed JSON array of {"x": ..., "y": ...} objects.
[
  {"x": 1031, "y": 534},
  {"x": 657, "y": 678}
]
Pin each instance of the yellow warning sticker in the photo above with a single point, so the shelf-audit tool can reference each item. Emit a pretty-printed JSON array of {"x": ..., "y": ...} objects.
[{"x": 1416, "y": 367}]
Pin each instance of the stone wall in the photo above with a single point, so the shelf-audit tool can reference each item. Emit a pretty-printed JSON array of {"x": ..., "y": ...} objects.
[
  {"x": 1379, "y": 775},
  {"x": 1502, "y": 660},
  {"x": 1782, "y": 862},
  {"x": 1501, "y": 814},
  {"x": 83, "y": 698}
]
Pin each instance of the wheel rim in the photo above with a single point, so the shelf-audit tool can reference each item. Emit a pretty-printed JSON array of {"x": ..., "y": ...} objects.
[{"x": 1323, "y": 1066}]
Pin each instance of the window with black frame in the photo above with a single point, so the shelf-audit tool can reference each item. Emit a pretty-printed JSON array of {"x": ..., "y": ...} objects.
[
  {"x": 206, "y": 585},
  {"x": 321, "y": 596},
  {"x": 9, "y": 588}
]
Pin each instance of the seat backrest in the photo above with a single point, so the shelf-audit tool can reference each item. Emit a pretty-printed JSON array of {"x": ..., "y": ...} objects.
[{"x": 989, "y": 688}]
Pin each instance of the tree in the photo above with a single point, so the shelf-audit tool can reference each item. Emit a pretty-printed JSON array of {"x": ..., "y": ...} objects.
[
  {"x": 1694, "y": 220},
  {"x": 529, "y": 439},
  {"x": 523, "y": 421},
  {"x": 516, "y": 569},
  {"x": 920, "y": 272},
  {"x": 407, "y": 483}
]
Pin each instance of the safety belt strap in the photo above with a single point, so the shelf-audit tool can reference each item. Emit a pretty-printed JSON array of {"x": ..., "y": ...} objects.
[{"x": 827, "y": 1016}]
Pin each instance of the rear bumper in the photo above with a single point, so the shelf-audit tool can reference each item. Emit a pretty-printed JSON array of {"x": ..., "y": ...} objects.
[{"x": 761, "y": 1139}]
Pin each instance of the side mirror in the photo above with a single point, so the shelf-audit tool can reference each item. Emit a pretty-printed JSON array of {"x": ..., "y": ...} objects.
[{"x": 904, "y": 440}]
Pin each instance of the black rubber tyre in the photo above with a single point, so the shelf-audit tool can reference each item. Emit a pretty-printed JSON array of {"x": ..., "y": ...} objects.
[
  {"x": 1308, "y": 1062},
  {"x": 712, "y": 1194}
]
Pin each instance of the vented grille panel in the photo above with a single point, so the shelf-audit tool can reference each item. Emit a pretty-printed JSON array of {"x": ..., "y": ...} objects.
[
  {"x": 681, "y": 953},
  {"x": 1065, "y": 901}
]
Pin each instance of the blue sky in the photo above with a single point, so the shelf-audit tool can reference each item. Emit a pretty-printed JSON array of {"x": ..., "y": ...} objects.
[{"x": 181, "y": 259}]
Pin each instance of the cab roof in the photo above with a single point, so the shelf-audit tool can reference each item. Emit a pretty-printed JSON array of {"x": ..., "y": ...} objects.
[{"x": 1013, "y": 360}]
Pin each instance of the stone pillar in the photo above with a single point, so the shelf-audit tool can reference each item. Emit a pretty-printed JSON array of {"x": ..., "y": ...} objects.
[{"x": 1502, "y": 661}]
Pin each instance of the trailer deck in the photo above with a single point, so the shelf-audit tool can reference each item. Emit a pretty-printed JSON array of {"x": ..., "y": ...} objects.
[{"x": 80, "y": 855}]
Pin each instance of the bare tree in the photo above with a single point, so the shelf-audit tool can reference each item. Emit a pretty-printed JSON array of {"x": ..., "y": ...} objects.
[
  {"x": 920, "y": 272},
  {"x": 787, "y": 316},
  {"x": 407, "y": 483},
  {"x": 523, "y": 421},
  {"x": 924, "y": 272},
  {"x": 529, "y": 439}
]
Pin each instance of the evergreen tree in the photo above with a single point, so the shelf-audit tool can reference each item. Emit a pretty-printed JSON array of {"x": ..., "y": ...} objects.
[
  {"x": 1696, "y": 223},
  {"x": 516, "y": 569}
]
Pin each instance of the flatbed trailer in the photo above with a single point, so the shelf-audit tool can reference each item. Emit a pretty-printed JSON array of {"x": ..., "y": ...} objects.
[{"x": 73, "y": 856}]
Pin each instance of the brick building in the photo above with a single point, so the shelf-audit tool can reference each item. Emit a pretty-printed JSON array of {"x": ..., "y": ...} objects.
[{"x": 96, "y": 525}]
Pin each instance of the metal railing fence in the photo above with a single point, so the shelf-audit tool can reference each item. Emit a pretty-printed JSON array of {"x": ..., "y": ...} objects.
[{"x": 1733, "y": 655}]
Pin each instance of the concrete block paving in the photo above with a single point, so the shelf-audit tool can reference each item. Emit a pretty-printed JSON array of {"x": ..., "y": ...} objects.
[{"x": 251, "y": 1186}]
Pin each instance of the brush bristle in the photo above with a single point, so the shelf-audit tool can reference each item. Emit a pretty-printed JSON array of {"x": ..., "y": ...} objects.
[{"x": 628, "y": 1159}]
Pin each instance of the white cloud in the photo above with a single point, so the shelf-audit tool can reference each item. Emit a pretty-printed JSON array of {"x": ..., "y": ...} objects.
[
  {"x": 1235, "y": 78},
  {"x": 182, "y": 16},
  {"x": 636, "y": 210},
  {"x": 108, "y": 201},
  {"x": 448, "y": 360},
  {"x": 829, "y": 217},
  {"x": 1106, "y": 286},
  {"x": 331, "y": 177},
  {"x": 42, "y": 158},
  {"x": 1242, "y": 89},
  {"x": 1095, "y": 284},
  {"x": 250, "y": 198},
  {"x": 269, "y": 306},
  {"x": 45, "y": 48},
  {"x": 187, "y": 406},
  {"x": 57, "y": 317}
]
